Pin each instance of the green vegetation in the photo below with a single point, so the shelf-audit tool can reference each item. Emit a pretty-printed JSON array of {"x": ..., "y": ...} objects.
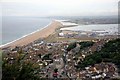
[
  {"x": 0, "y": 58},
  {"x": 19, "y": 69},
  {"x": 46, "y": 57},
  {"x": 86, "y": 44},
  {"x": 71, "y": 46},
  {"x": 109, "y": 53},
  {"x": 82, "y": 45}
]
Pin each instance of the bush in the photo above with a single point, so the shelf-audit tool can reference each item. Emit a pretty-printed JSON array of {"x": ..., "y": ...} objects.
[
  {"x": 110, "y": 53},
  {"x": 71, "y": 46},
  {"x": 19, "y": 70}
]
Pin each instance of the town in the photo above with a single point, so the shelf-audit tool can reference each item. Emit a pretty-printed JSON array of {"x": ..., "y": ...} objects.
[{"x": 66, "y": 55}]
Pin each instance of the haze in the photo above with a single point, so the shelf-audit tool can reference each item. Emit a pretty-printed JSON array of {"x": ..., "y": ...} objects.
[{"x": 59, "y": 7}]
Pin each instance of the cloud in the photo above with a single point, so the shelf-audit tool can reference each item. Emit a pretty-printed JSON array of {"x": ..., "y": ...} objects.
[{"x": 59, "y": 7}]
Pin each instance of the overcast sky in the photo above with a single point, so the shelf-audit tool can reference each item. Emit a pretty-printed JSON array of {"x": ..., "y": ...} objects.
[{"x": 59, "y": 7}]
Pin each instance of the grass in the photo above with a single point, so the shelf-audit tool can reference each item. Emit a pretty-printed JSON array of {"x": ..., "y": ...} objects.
[{"x": 0, "y": 58}]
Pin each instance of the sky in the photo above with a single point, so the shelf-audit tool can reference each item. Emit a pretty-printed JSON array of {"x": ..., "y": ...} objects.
[{"x": 44, "y": 8}]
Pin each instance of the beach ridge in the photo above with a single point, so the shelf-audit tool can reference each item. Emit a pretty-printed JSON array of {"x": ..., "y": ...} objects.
[{"x": 42, "y": 33}]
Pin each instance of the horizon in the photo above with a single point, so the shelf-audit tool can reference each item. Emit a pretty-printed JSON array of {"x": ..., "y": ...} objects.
[{"x": 78, "y": 17}]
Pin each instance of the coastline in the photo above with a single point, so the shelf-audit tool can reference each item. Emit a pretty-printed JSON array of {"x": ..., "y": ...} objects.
[{"x": 31, "y": 37}]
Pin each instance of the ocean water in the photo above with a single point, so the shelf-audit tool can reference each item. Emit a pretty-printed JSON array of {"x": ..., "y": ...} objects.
[{"x": 16, "y": 27}]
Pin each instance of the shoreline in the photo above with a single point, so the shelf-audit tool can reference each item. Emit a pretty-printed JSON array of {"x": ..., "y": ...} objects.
[
  {"x": 43, "y": 33},
  {"x": 23, "y": 36},
  {"x": 31, "y": 37}
]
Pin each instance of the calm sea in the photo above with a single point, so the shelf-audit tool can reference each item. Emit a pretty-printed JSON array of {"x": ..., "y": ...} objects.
[
  {"x": 110, "y": 28},
  {"x": 16, "y": 27}
]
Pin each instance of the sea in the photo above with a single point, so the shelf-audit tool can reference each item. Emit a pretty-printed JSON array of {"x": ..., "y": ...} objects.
[
  {"x": 14, "y": 27},
  {"x": 110, "y": 28}
]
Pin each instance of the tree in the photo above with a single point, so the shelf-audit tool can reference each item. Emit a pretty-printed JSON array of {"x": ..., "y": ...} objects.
[
  {"x": 71, "y": 46},
  {"x": 110, "y": 53},
  {"x": 86, "y": 44},
  {"x": 19, "y": 69}
]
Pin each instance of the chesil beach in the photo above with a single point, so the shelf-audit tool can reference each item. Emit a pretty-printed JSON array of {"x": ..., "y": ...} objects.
[
  {"x": 60, "y": 40},
  {"x": 50, "y": 29},
  {"x": 40, "y": 33}
]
